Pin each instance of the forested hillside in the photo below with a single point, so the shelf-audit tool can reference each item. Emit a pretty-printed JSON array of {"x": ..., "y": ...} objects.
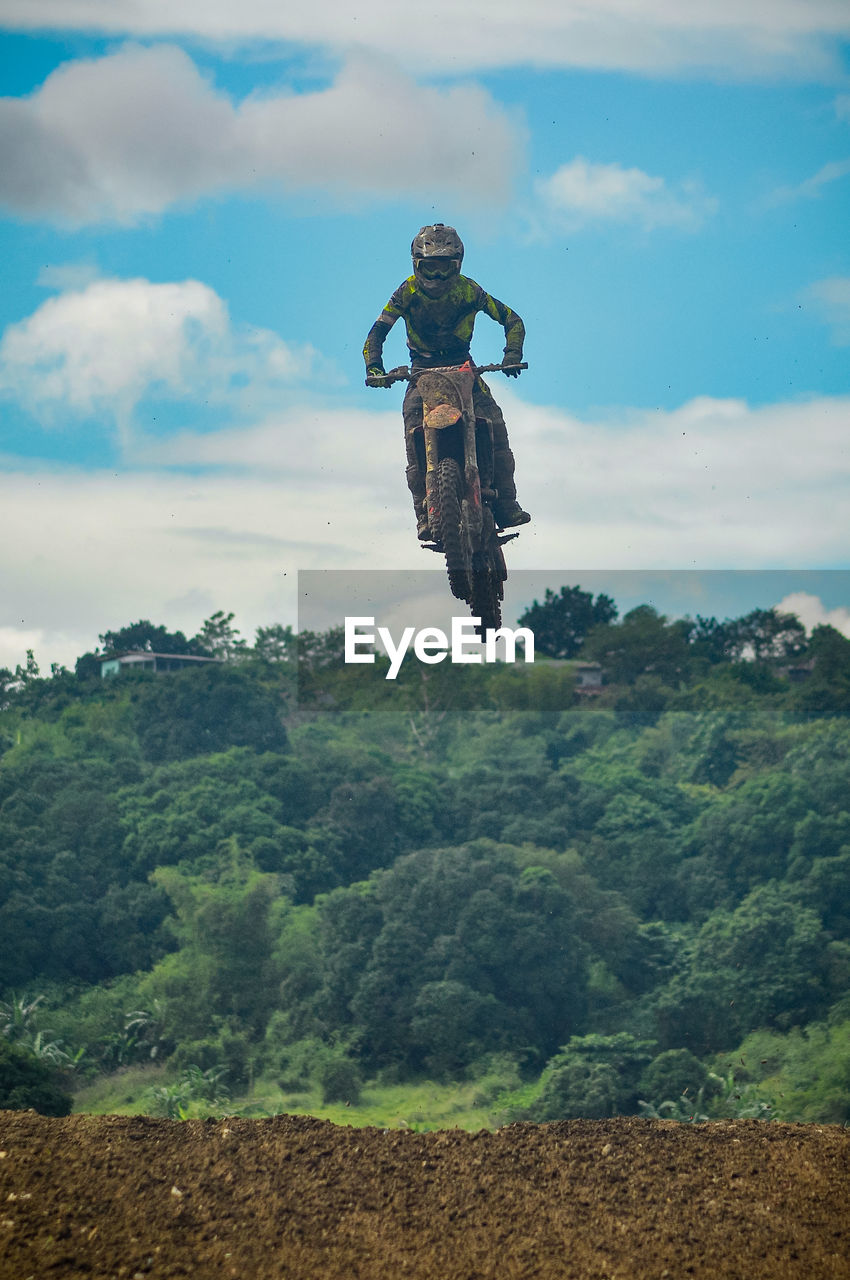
[{"x": 281, "y": 877}]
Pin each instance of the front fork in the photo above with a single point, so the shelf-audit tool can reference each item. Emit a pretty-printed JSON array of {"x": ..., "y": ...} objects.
[
  {"x": 471, "y": 499},
  {"x": 432, "y": 498}
]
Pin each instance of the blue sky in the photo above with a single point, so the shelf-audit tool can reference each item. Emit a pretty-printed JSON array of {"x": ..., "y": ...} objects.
[{"x": 204, "y": 207}]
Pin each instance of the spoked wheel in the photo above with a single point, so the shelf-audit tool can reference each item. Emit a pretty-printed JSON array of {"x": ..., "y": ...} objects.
[
  {"x": 486, "y": 602},
  {"x": 448, "y": 521},
  {"x": 488, "y": 578}
]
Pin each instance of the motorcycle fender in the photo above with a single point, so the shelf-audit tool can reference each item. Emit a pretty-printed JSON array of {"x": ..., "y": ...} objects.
[
  {"x": 442, "y": 400},
  {"x": 442, "y": 415}
]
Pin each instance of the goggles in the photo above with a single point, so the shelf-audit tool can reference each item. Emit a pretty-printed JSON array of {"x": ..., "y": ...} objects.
[{"x": 437, "y": 268}]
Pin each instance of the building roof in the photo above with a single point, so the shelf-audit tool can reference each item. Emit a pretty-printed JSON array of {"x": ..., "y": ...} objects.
[{"x": 149, "y": 653}]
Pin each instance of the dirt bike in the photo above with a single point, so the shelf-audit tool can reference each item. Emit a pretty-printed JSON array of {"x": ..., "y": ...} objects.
[{"x": 459, "y": 484}]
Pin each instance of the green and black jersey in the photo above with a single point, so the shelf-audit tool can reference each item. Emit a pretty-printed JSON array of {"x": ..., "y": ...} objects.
[{"x": 439, "y": 330}]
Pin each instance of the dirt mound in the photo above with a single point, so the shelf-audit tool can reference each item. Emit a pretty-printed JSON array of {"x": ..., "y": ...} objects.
[{"x": 291, "y": 1197}]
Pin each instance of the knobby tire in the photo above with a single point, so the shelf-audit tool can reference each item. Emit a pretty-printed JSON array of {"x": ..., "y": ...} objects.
[
  {"x": 449, "y": 520},
  {"x": 487, "y": 589}
]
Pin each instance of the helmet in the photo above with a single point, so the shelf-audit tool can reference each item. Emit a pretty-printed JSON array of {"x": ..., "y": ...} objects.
[{"x": 437, "y": 253}]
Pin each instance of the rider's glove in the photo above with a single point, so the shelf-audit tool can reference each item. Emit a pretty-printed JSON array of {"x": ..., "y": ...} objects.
[
  {"x": 512, "y": 357},
  {"x": 378, "y": 372}
]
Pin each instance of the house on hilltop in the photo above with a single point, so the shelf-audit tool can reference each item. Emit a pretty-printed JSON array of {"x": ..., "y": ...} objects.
[
  {"x": 112, "y": 664},
  {"x": 588, "y": 678}
]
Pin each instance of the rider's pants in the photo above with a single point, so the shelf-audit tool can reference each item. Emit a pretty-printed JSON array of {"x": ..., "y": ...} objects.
[{"x": 485, "y": 407}]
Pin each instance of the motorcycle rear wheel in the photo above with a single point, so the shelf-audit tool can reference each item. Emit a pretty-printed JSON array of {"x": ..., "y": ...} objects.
[
  {"x": 487, "y": 582},
  {"x": 448, "y": 519}
]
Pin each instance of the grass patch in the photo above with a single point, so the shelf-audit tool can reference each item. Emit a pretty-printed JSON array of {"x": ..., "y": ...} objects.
[
  {"x": 418, "y": 1105},
  {"x": 122, "y": 1093}
]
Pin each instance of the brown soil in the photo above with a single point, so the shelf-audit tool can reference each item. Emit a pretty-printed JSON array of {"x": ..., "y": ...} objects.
[{"x": 134, "y": 1197}]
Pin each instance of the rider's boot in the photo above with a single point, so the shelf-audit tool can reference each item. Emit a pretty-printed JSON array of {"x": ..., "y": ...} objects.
[
  {"x": 509, "y": 513},
  {"x": 506, "y": 509}
]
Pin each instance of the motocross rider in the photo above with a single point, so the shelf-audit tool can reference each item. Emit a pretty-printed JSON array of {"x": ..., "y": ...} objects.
[{"x": 439, "y": 307}]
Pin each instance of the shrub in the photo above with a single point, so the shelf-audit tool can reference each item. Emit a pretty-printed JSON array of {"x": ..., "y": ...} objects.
[
  {"x": 593, "y": 1076},
  {"x": 26, "y": 1082},
  {"x": 673, "y": 1073},
  {"x": 195, "y": 1092},
  {"x": 339, "y": 1078}
]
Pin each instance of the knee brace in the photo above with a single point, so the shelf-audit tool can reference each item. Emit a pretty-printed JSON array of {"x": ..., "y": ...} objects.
[
  {"x": 503, "y": 473},
  {"x": 415, "y": 482}
]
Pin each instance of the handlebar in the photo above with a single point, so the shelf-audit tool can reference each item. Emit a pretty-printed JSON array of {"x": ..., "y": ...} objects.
[{"x": 402, "y": 373}]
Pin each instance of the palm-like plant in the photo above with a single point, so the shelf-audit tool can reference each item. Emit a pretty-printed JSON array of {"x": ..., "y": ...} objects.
[
  {"x": 18, "y": 1023},
  {"x": 17, "y": 1017}
]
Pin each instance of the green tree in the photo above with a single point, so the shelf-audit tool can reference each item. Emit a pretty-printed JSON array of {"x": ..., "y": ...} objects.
[
  {"x": 197, "y": 712},
  {"x": 223, "y": 970},
  {"x": 746, "y": 835},
  {"x": 672, "y": 1074},
  {"x": 339, "y": 1076},
  {"x": 765, "y": 964},
  {"x": 467, "y": 917},
  {"x": 8, "y": 688},
  {"x": 593, "y": 1076},
  {"x": 66, "y": 907},
  {"x": 644, "y": 643},
  {"x": 220, "y": 638},
  {"x": 716, "y": 749},
  {"x": 644, "y": 702},
  {"x": 275, "y": 643},
  {"x": 452, "y": 1026},
  {"x": 563, "y": 621},
  {"x": 635, "y": 848},
  {"x": 826, "y": 692},
  {"x": 712, "y": 640},
  {"x": 320, "y": 650},
  {"x": 826, "y": 889},
  {"x": 363, "y": 815},
  {"x": 146, "y": 637},
  {"x": 28, "y": 672},
  {"x": 766, "y": 635}
]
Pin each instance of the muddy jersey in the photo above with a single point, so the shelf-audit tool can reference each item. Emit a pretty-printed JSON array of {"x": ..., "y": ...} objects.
[{"x": 439, "y": 330}]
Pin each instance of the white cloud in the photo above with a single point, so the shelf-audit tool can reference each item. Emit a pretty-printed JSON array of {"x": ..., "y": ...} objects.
[
  {"x": 61, "y": 276},
  {"x": 81, "y": 553},
  {"x": 831, "y": 298},
  {"x": 128, "y": 134},
  {"x": 100, "y": 349},
  {"x": 16, "y": 641},
  {"x": 307, "y": 444},
  {"x": 713, "y": 484},
  {"x": 582, "y": 192},
  {"x": 108, "y": 342},
  {"x": 763, "y": 37},
  {"x": 811, "y": 188},
  {"x": 812, "y": 612}
]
